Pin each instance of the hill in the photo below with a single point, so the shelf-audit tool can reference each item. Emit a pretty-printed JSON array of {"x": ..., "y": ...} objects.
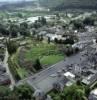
[
  {"x": 64, "y": 4},
  {"x": 15, "y": 5},
  {"x": 51, "y": 3}
]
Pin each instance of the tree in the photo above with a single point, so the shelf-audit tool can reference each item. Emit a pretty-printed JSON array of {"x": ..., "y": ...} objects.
[
  {"x": 3, "y": 30},
  {"x": 69, "y": 51},
  {"x": 78, "y": 25},
  {"x": 23, "y": 92},
  {"x": 37, "y": 65},
  {"x": 37, "y": 24},
  {"x": 20, "y": 15},
  {"x": 4, "y": 91},
  {"x": 78, "y": 95},
  {"x": 57, "y": 97},
  {"x": 70, "y": 40},
  {"x": 14, "y": 29},
  {"x": 41, "y": 37},
  {"x": 57, "y": 16},
  {"x": 88, "y": 21},
  {"x": 49, "y": 40},
  {"x": 73, "y": 92},
  {"x": 11, "y": 47},
  {"x": 38, "y": 38},
  {"x": 24, "y": 25},
  {"x": 78, "y": 83},
  {"x": 87, "y": 91},
  {"x": 24, "y": 29},
  {"x": 76, "y": 50},
  {"x": 56, "y": 40},
  {"x": 42, "y": 20},
  {"x": 34, "y": 32}
]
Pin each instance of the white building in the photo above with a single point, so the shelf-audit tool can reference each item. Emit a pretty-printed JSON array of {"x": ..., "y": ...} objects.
[
  {"x": 69, "y": 75},
  {"x": 93, "y": 95},
  {"x": 53, "y": 36},
  {"x": 71, "y": 78}
]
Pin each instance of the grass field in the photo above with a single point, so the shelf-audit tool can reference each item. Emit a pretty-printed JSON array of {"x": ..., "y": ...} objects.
[
  {"x": 47, "y": 53},
  {"x": 52, "y": 59}
]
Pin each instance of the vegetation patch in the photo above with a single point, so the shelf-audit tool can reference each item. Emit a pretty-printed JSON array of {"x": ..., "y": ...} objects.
[
  {"x": 22, "y": 72},
  {"x": 52, "y": 59},
  {"x": 74, "y": 92},
  {"x": 47, "y": 53}
]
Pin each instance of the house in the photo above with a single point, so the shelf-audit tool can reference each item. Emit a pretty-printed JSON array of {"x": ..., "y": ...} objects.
[
  {"x": 42, "y": 33},
  {"x": 2, "y": 46},
  {"x": 4, "y": 79},
  {"x": 69, "y": 75},
  {"x": 90, "y": 79},
  {"x": 93, "y": 95},
  {"x": 2, "y": 57},
  {"x": 53, "y": 36},
  {"x": 2, "y": 38},
  {"x": 69, "y": 83},
  {"x": 39, "y": 95},
  {"x": 2, "y": 70},
  {"x": 66, "y": 79},
  {"x": 71, "y": 78}
]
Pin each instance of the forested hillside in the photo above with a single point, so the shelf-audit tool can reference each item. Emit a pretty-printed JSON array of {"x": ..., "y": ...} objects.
[{"x": 62, "y": 4}]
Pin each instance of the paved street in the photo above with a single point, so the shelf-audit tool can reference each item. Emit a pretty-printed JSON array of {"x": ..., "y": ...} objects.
[{"x": 8, "y": 71}]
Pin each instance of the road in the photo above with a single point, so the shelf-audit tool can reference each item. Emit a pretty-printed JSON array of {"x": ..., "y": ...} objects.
[{"x": 8, "y": 71}]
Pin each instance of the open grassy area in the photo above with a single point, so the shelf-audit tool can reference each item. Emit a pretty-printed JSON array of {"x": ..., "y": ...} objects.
[
  {"x": 52, "y": 59},
  {"x": 40, "y": 50},
  {"x": 47, "y": 53}
]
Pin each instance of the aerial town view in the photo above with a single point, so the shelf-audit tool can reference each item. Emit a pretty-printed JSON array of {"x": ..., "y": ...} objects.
[{"x": 48, "y": 49}]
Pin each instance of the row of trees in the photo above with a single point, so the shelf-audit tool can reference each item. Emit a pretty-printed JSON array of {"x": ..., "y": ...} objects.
[
  {"x": 67, "y": 41},
  {"x": 11, "y": 46},
  {"x": 80, "y": 24},
  {"x": 70, "y": 51},
  {"x": 39, "y": 23},
  {"x": 13, "y": 29},
  {"x": 74, "y": 92},
  {"x": 23, "y": 28},
  {"x": 22, "y": 92}
]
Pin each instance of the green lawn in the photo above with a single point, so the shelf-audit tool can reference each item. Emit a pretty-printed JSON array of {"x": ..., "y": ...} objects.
[
  {"x": 41, "y": 50},
  {"x": 47, "y": 53},
  {"x": 52, "y": 59}
]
